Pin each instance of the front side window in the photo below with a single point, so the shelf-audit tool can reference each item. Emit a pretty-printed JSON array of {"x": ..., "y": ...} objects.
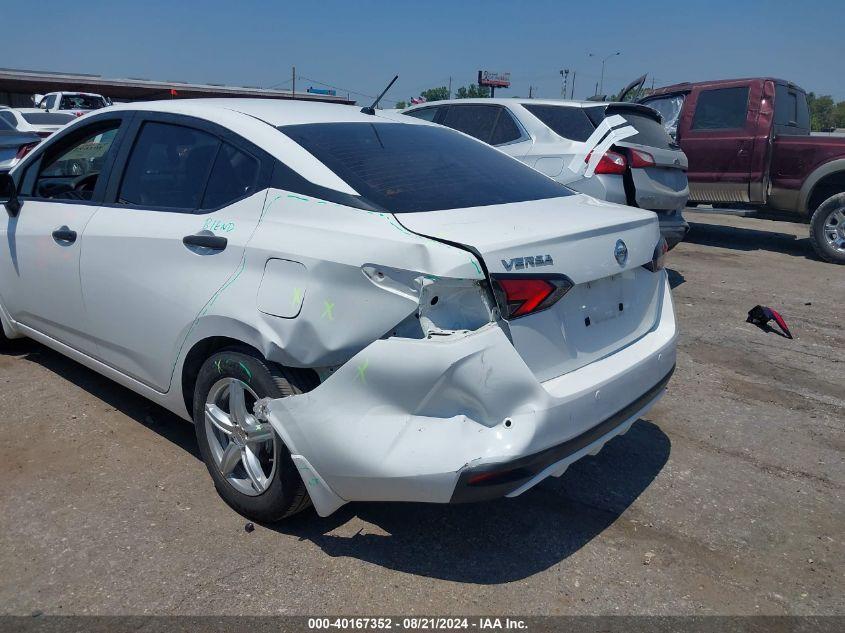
[
  {"x": 71, "y": 171},
  {"x": 405, "y": 168},
  {"x": 721, "y": 109},
  {"x": 50, "y": 102},
  {"x": 168, "y": 167}
]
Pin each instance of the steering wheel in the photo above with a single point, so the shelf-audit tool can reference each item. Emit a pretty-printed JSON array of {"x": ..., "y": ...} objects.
[{"x": 86, "y": 183}]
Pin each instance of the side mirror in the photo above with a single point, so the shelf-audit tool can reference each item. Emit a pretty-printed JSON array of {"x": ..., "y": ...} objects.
[{"x": 9, "y": 194}]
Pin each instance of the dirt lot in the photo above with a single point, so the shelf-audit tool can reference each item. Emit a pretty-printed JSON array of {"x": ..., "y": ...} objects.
[{"x": 727, "y": 498}]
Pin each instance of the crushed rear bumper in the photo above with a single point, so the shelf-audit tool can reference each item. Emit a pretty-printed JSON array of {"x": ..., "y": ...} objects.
[{"x": 417, "y": 420}]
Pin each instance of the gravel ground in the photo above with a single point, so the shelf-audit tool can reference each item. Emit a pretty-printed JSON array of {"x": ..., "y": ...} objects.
[{"x": 725, "y": 499}]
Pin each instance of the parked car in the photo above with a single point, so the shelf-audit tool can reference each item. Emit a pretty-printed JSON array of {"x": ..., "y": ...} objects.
[
  {"x": 644, "y": 170},
  {"x": 76, "y": 102},
  {"x": 748, "y": 141},
  {"x": 14, "y": 145},
  {"x": 349, "y": 306},
  {"x": 35, "y": 120}
]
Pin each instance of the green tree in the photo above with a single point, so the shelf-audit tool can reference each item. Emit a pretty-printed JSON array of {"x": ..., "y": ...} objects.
[
  {"x": 822, "y": 111},
  {"x": 435, "y": 94},
  {"x": 400, "y": 105},
  {"x": 839, "y": 115},
  {"x": 473, "y": 91}
]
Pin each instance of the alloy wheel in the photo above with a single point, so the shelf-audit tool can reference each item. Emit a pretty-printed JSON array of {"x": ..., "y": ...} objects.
[
  {"x": 243, "y": 448},
  {"x": 834, "y": 229}
]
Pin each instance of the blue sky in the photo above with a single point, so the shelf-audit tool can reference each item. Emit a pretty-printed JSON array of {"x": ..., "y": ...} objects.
[{"x": 360, "y": 45}]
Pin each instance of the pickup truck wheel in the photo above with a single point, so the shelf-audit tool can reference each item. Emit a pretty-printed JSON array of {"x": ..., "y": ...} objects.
[
  {"x": 827, "y": 229},
  {"x": 250, "y": 465}
]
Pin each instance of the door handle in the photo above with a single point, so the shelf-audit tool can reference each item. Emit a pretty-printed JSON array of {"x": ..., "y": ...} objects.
[
  {"x": 64, "y": 235},
  {"x": 213, "y": 242}
]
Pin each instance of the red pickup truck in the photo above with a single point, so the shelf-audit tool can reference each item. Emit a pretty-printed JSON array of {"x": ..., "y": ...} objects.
[{"x": 748, "y": 141}]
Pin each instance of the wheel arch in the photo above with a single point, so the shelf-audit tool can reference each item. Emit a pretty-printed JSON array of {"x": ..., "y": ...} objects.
[
  {"x": 826, "y": 180},
  {"x": 201, "y": 351}
]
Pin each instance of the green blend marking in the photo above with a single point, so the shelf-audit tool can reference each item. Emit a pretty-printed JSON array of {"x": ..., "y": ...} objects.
[
  {"x": 217, "y": 364},
  {"x": 295, "y": 197},
  {"x": 246, "y": 370},
  {"x": 362, "y": 372},
  {"x": 328, "y": 311},
  {"x": 296, "y": 300}
]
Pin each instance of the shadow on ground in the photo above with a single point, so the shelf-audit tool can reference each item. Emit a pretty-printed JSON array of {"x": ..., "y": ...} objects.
[
  {"x": 486, "y": 543},
  {"x": 168, "y": 425},
  {"x": 750, "y": 240},
  {"x": 505, "y": 540}
]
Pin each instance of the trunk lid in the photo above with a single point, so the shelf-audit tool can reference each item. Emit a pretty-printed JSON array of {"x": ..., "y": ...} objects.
[{"x": 610, "y": 305}]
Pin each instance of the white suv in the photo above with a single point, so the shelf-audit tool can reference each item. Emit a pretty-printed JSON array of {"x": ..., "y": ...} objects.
[{"x": 348, "y": 306}]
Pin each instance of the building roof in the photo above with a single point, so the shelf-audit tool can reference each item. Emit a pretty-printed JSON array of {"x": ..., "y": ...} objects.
[{"x": 134, "y": 89}]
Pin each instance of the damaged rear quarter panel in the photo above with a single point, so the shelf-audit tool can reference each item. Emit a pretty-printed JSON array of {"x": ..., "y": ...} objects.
[{"x": 342, "y": 309}]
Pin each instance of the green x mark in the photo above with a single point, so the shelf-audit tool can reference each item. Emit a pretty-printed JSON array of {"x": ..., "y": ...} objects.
[
  {"x": 362, "y": 371},
  {"x": 296, "y": 301},
  {"x": 328, "y": 310}
]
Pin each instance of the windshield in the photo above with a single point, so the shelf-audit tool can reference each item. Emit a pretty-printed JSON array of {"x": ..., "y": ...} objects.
[
  {"x": 405, "y": 168},
  {"x": 81, "y": 102}
]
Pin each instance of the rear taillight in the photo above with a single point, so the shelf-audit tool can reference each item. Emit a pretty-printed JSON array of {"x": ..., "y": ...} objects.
[
  {"x": 640, "y": 158},
  {"x": 520, "y": 295},
  {"x": 23, "y": 150},
  {"x": 659, "y": 258},
  {"x": 610, "y": 163},
  {"x": 78, "y": 114}
]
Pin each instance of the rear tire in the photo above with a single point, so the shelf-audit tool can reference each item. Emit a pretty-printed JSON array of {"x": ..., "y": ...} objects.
[
  {"x": 827, "y": 229},
  {"x": 251, "y": 467}
]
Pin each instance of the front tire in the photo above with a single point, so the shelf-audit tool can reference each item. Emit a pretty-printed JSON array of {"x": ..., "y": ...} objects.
[
  {"x": 827, "y": 229},
  {"x": 250, "y": 465}
]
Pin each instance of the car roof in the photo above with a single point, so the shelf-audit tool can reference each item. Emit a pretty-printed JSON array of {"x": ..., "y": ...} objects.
[
  {"x": 715, "y": 83},
  {"x": 512, "y": 100},
  {"x": 276, "y": 112}
]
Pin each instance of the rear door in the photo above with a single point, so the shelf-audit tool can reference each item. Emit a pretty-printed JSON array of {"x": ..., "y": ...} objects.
[
  {"x": 717, "y": 135},
  {"x": 171, "y": 234}
]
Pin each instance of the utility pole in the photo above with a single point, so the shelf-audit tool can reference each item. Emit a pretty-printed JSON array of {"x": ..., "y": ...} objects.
[
  {"x": 565, "y": 74},
  {"x": 600, "y": 87},
  {"x": 450, "y": 87},
  {"x": 293, "y": 79},
  {"x": 572, "y": 92},
  {"x": 530, "y": 92}
]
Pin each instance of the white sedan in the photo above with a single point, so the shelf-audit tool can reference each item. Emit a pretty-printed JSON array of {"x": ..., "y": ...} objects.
[
  {"x": 35, "y": 120},
  {"x": 349, "y": 306}
]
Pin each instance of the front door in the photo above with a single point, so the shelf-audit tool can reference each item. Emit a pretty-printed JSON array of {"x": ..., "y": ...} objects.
[
  {"x": 40, "y": 251},
  {"x": 169, "y": 238}
]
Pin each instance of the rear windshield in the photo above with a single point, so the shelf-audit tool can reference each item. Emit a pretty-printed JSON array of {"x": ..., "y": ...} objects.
[
  {"x": 47, "y": 118},
  {"x": 81, "y": 102},
  {"x": 649, "y": 131},
  {"x": 405, "y": 168}
]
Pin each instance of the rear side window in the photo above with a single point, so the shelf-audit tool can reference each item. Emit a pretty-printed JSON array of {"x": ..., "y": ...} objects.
[
  {"x": 168, "y": 167},
  {"x": 47, "y": 118},
  {"x": 405, "y": 168},
  {"x": 426, "y": 114},
  {"x": 475, "y": 120},
  {"x": 506, "y": 130},
  {"x": 791, "y": 108},
  {"x": 233, "y": 176},
  {"x": 721, "y": 109},
  {"x": 565, "y": 121}
]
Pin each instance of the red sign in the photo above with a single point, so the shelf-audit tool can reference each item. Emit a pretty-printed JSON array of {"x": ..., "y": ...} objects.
[{"x": 494, "y": 80}]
